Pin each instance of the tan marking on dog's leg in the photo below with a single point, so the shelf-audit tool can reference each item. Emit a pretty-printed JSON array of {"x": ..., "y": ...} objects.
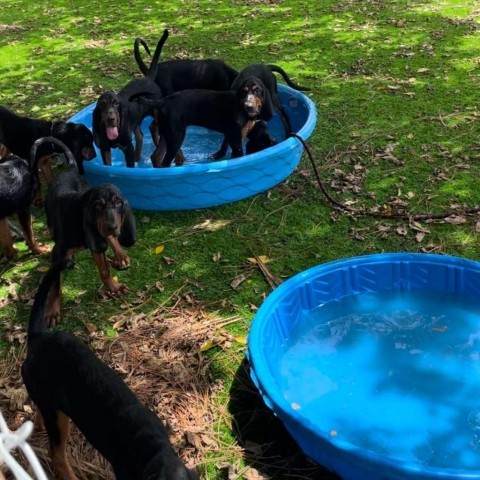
[
  {"x": 247, "y": 128},
  {"x": 45, "y": 167},
  {"x": 27, "y": 229},
  {"x": 4, "y": 151},
  {"x": 59, "y": 453},
  {"x": 110, "y": 284},
  {"x": 6, "y": 239},
  {"x": 121, "y": 258}
]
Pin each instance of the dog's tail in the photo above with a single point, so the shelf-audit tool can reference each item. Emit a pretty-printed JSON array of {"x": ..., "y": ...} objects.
[
  {"x": 72, "y": 164},
  {"x": 152, "y": 70},
  {"x": 136, "y": 53},
  {"x": 283, "y": 73},
  {"x": 37, "y": 316}
]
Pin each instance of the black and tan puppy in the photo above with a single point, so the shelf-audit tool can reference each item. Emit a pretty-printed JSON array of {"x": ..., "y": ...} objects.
[
  {"x": 81, "y": 216},
  {"x": 19, "y": 184},
  {"x": 265, "y": 73},
  {"x": 181, "y": 74},
  {"x": 116, "y": 118},
  {"x": 67, "y": 381},
  {"x": 18, "y": 133},
  {"x": 231, "y": 113},
  {"x": 259, "y": 138}
]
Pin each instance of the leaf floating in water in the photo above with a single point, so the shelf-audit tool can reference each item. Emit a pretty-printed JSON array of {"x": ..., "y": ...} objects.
[
  {"x": 333, "y": 433},
  {"x": 295, "y": 406}
]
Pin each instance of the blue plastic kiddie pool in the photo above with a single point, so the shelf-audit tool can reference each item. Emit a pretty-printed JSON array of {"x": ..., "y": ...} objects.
[
  {"x": 201, "y": 182},
  {"x": 373, "y": 365}
]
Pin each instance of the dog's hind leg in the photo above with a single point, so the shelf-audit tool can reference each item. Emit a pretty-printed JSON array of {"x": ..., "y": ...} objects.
[
  {"x": 58, "y": 429},
  {"x": 6, "y": 239},
  {"x": 54, "y": 299},
  {"x": 154, "y": 132},
  {"x": 138, "y": 143},
  {"x": 25, "y": 220}
]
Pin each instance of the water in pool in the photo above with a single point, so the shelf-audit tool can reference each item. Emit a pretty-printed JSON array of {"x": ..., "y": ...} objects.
[
  {"x": 399, "y": 375},
  {"x": 198, "y": 146}
]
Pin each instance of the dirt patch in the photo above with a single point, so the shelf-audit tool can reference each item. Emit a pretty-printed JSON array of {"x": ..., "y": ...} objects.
[{"x": 159, "y": 357}]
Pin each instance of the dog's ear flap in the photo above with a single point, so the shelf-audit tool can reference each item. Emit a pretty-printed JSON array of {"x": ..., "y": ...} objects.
[
  {"x": 93, "y": 240},
  {"x": 267, "y": 105},
  {"x": 128, "y": 233}
]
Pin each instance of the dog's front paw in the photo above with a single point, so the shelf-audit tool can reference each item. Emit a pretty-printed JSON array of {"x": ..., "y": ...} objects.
[
  {"x": 38, "y": 248},
  {"x": 52, "y": 317},
  {"x": 113, "y": 288},
  {"x": 120, "y": 261}
]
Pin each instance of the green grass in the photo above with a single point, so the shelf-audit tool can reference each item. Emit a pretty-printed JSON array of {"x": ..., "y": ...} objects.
[{"x": 387, "y": 77}]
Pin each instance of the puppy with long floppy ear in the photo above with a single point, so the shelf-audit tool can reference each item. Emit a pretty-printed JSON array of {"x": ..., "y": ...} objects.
[
  {"x": 66, "y": 381},
  {"x": 81, "y": 216},
  {"x": 115, "y": 118}
]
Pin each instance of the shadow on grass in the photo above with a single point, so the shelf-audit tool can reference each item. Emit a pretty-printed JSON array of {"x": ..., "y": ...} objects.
[{"x": 269, "y": 448}]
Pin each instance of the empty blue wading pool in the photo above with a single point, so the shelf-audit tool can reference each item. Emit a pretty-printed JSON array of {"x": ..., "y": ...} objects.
[
  {"x": 201, "y": 182},
  {"x": 373, "y": 365}
]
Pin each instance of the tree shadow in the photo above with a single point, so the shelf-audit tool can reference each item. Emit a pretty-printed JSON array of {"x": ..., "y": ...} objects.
[{"x": 268, "y": 447}]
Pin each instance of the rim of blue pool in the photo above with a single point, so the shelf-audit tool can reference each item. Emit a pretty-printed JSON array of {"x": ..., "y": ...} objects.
[
  {"x": 207, "y": 183},
  {"x": 292, "y": 300}
]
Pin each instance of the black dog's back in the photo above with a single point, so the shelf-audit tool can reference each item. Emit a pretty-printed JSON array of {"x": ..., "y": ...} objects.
[
  {"x": 62, "y": 374},
  {"x": 178, "y": 74},
  {"x": 63, "y": 207}
]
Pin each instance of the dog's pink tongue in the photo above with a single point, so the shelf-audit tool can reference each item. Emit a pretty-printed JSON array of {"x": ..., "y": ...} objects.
[{"x": 112, "y": 133}]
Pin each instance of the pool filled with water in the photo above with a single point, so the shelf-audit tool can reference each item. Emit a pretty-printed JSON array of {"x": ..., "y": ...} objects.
[{"x": 396, "y": 373}]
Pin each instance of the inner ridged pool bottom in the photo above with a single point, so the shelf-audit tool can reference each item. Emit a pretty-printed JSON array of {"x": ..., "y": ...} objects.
[{"x": 394, "y": 373}]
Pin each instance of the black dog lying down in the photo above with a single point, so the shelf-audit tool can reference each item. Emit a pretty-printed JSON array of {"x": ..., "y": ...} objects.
[
  {"x": 18, "y": 133},
  {"x": 232, "y": 113},
  {"x": 265, "y": 74},
  {"x": 259, "y": 138},
  {"x": 115, "y": 118},
  {"x": 67, "y": 381},
  {"x": 19, "y": 184},
  {"x": 81, "y": 216}
]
